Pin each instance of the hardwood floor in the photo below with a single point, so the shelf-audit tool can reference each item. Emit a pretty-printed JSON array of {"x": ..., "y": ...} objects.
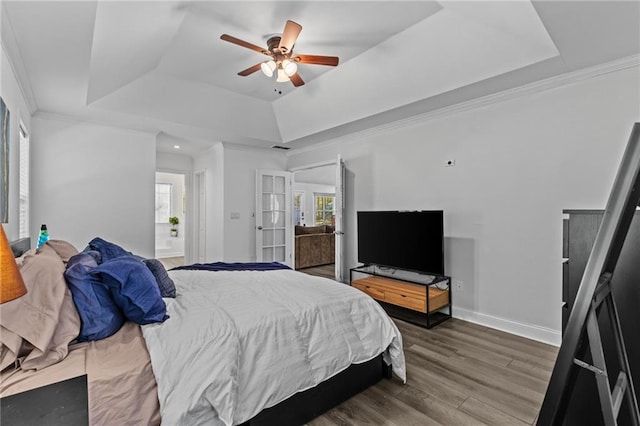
[
  {"x": 172, "y": 262},
  {"x": 326, "y": 271},
  {"x": 458, "y": 373}
]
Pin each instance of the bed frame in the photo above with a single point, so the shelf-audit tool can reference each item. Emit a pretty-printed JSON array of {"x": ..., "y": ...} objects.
[
  {"x": 307, "y": 405},
  {"x": 19, "y": 247}
]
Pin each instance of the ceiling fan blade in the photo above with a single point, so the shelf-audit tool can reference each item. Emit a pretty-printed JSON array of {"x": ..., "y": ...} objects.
[
  {"x": 296, "y": 80},
  {"x": 317, "y": 60},
  {"x": 250, "y": 70},
  {"x": 234, "y": 40},
  {"x": 289, "y": 36}
]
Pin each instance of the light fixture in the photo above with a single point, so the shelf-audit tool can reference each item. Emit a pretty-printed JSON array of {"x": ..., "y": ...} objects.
[
  {"x": 289, "y": 67},
  {"x": 176, "y": 147},
  {"x": 268, "y": 67},
  {"x": 11, "y": 283},
  {"x": 282, "y": 76}
]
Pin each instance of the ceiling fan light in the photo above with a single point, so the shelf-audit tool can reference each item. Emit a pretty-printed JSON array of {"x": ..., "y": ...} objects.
[
  {"x": 268, "y": 68},
  {"x": 282, "y": 76},
  {"x": 289, "y": 67}
]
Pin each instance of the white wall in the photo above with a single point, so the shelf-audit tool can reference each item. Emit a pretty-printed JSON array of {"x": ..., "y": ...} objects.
[
  {"x": 93, "y": 181},
  {"x": 211, "y": 164},
  {"x": 173, "y": 162},
  {"x": 240, "y": 166},
  {"x": 519, "y": 163},
  {"x": 15, "y": 101}
]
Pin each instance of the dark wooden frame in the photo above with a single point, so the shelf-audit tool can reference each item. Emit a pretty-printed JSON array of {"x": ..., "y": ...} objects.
[{"x": 307, "y": 405}]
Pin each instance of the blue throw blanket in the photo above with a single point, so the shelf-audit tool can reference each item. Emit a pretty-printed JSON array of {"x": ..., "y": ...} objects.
[
  {"x": 238, "y": 266},
  {"x": 107, "y": 250}
]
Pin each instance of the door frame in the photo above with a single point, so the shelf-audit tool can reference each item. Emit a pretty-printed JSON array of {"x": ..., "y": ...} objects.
[
  {"x": 188, "y": 226},
  {"x": 199, "y": 204},
  {"x": 339, "y": 164}
]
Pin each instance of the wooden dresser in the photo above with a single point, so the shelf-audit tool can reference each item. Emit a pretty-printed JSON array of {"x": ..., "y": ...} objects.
[{"x": 421, "y": 300}]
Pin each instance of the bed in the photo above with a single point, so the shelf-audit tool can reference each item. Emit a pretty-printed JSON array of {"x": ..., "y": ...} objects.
[{"x": 239, "y": 347}]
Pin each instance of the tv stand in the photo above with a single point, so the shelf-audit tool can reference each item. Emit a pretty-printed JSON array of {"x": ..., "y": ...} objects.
[{"x": 423, "y": 300}]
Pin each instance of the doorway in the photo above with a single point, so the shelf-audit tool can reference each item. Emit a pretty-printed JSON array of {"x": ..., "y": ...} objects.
[
  {"x": 317, "y": 208},
  {"x": 170, "y": 218}
]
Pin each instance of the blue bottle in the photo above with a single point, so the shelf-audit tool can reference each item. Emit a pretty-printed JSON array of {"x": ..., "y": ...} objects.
[{"x": 44, "y": 236}]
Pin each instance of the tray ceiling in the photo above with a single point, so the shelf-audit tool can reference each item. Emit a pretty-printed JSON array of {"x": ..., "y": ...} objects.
[{"x": 161, "y": 66}]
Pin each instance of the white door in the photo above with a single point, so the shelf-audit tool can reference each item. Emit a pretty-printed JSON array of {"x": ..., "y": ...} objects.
[
  {"x": 339, "y": 229},
  {"x": 273, "y": 217},
  {"x": 200, "y": 212}
]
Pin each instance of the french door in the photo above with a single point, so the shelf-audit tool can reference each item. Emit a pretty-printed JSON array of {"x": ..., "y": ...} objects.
[{"x": 273, "y": 216}]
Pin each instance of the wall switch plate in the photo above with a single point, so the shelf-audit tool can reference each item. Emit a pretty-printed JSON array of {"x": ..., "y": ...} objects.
[
  {"x": 459, "y": 285},
  {"x": 449, "y": 163}
]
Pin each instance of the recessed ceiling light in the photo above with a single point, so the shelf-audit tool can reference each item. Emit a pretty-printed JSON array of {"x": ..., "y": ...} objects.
[{"x": 176, "y": 146}]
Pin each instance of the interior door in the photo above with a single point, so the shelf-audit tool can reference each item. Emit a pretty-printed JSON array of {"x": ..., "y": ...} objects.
[
  {"x": 273, "y": 216},
  {"x": 201, "y": 214},
  {"x": 339, "y": 228}
]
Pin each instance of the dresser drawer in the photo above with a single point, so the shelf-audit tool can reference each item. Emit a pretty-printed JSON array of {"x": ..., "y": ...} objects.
[
  {"x": 407, "y": 301},
  {"x": 372, "y": 291},
  {"x": 410, "y": 297},
  {"x": 438, "y": 298}
]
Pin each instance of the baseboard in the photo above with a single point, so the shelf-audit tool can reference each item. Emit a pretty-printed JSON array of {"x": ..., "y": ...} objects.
[{"x": 534, "y": 332}]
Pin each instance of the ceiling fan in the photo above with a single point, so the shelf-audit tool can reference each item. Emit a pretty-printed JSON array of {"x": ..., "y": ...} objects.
[{"x": 283, "y": 62}]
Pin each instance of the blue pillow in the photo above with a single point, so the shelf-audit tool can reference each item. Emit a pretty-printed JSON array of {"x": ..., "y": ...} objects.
[
  {"x": 133, "y": 288},
  {"x": 106, "y": 249},
  {"x": 165, "y": 283},
  {"x": 99, "y": 315}
]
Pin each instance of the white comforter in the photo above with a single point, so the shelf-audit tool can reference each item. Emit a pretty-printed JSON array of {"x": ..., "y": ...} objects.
[{"x": 238, "y": 342}]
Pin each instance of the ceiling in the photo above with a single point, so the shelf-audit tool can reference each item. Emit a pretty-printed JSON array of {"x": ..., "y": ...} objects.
[{"x": 160, "y": 66}]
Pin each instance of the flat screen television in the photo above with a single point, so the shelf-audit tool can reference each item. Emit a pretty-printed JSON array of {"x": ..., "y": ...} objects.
[{"x": 411, "y": 240}]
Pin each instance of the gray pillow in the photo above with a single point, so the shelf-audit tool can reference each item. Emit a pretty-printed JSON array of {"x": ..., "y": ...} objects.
[{"x": 165, "y": 283}]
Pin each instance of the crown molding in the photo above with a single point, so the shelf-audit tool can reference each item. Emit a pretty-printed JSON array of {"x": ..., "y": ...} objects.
[
  {"x": 55, "y": 116},
  {"x": 505, "y": 95}
]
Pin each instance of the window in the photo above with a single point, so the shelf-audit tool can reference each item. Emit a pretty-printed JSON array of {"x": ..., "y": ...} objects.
[
  {"x": 323, "y": 209},
  {"x": 23, "y": 183},
  {"x": 163, "y": 202}
]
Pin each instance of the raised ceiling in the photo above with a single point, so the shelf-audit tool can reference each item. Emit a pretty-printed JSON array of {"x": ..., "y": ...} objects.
[{"x": 160, "y": 66}]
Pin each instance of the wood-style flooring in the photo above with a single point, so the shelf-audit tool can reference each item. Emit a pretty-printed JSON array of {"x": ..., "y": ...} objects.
[
  {"x": 458, "y": 373},
  {"x": 172, "y": 262},
  {"x": 326, "y": 271}
]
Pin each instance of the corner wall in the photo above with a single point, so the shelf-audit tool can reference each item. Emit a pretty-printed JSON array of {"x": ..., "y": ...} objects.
[
  {"x": 240, "y": 165},
  {"x": 93, "y": 181},
  {"x": 519, "y": 163}
]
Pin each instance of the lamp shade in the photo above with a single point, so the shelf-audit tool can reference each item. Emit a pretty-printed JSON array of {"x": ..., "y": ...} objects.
[
  {"x": 11, "y": 284},
  {"x": 268, "y": 68},
  {"x": 282, "y": 77},
  {"x": 289, "y": 67}
]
